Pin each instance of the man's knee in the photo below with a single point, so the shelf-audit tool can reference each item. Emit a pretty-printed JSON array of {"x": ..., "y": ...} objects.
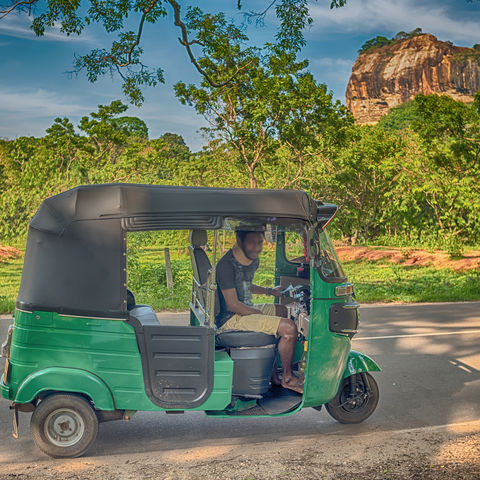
[{"x": 287, "y": 328}]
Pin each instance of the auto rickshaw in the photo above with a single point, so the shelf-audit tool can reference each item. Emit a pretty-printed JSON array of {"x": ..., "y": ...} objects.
[{"x": 81, "y": 351}]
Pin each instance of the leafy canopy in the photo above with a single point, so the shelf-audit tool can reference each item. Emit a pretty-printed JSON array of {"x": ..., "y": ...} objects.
[
  {"x": 273, "y": 99},
  {"x": 125, "y": 54},
  {"x": 380, "y": 41}
]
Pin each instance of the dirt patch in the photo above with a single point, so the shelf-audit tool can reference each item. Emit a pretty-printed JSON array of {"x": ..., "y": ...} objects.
[
  {"x": 406, "y": 256},
  {"x": 435, "y": 453},
  {"x": 7, "y": 253}
]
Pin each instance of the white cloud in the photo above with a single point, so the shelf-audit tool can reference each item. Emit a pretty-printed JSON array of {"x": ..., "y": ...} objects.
[
  {"x": 329, "y": 62},
  {"x": 392, "y": 15},
  {"x": 18, "y": 26},
  {"x": 39, "y": 103},
  {"x": 30, "y": 112}
]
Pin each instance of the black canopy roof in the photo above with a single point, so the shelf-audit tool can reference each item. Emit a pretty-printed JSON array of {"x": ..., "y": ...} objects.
[
  {"x": 75, "y": 259},
  {"x": 164, "y": 207}
]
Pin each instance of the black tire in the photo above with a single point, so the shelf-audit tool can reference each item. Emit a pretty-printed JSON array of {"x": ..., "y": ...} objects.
[
  {"x": 64, "y": 425},
  {"x": 347, "y": 409}
]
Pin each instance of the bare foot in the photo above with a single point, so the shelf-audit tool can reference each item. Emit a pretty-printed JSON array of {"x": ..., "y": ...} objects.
[
  {"x": 276, "y": 380},
  {"x": 293, "y": 383}
]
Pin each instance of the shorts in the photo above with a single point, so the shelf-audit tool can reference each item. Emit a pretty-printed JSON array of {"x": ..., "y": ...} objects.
[{"x": 267, "y": 322}]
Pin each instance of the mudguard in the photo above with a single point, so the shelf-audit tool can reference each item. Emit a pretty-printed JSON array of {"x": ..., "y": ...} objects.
[
  {"x": 62, "y": 379},
  {"x": 359, "y": 362}
]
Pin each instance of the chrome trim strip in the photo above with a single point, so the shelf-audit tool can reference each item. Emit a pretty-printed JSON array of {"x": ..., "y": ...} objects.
[
  {"x": 24, "y": 311},
  {"x": 95, "y": 318}
]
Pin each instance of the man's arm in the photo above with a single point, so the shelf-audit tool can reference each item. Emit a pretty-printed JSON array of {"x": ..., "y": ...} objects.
[
  {"x": 235, "y": 305},
  {"x": 258, "y": 290}
]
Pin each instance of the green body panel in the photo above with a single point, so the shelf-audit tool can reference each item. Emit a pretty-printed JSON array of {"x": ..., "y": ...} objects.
[
  {"x": 4, "y": 389},
  {"x": 65, "y": 380},
  {"x": 359, "y": 362},
  {"x": 327, "y": 352},
  {"x": 103, "y": 348}
]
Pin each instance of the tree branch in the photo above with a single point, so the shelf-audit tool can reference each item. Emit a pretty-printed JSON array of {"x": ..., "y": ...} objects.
[
  {"x": 24, "y": 3},
  {"x": 186, "y": 43},
  {"x": 137, "y": 40},
  {"x": 260, "y": 15}
]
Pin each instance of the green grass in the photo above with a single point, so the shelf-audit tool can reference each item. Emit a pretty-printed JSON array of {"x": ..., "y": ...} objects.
[
  {"x": 376, "y": 281},
  {"x": 387, "y": 282},
  {"x": 10, "y": 275}
]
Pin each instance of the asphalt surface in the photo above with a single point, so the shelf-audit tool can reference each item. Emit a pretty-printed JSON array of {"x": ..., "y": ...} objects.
[{"x": 430, "y": 356}]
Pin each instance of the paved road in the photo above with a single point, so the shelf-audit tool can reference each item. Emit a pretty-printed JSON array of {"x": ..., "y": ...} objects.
[{"x": 430, "y": 355}]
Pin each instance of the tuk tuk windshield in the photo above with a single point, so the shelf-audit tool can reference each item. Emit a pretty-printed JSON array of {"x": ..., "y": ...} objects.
[{"x": 326, "y": 260}]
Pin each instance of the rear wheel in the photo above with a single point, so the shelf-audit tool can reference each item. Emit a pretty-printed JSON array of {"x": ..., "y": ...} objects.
[
  {"x": 64, "y": 425},
  {"x": 355, "y": 400}
]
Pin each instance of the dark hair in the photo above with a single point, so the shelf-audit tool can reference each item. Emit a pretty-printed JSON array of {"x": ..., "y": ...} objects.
[{"x": 242, "y": 234}]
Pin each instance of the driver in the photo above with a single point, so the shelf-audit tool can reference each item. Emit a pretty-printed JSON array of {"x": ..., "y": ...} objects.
[{"x": 234, "y": 274}]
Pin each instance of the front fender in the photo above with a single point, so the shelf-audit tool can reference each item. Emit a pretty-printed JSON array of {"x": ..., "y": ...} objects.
[
  {"x": 62, "y": 379},
  {"x": 359, "y": 362}
]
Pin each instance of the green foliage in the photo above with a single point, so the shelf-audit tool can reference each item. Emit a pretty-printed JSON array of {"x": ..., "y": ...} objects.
[
  {"x": 412, "y": 179},
  {"x": 113, "y": 150},
  {"x": 148, "y": 282},
  {"x": 365, "y": 174},
  {"x": 398, "y": 118},
  {"x": 125, "y": 54},
  {"x": 446, "y": 170},
  {"x": 467, "y": 54},
  {"x": 381, "y": 41},
  {"x": 132, "y": 126},
  {"x": 269, "y": 100},
  {"x": 377, "y": 42}
]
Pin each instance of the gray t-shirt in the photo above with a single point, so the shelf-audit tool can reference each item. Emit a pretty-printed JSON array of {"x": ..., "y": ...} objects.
[{"x": 232, "y": 274}]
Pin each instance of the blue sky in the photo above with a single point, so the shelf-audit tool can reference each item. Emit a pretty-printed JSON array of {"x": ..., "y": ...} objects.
[{"x": 35, "y": 88}]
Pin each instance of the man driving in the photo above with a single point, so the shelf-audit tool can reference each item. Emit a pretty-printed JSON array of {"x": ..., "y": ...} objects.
[{"x": 234, "y": 274}]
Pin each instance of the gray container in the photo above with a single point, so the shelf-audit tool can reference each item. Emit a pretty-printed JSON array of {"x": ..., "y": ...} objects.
[{"x": 252, "y": 369}]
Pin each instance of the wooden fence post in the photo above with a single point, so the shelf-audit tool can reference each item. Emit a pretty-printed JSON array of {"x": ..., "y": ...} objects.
[{"x": 168, "y": 269}]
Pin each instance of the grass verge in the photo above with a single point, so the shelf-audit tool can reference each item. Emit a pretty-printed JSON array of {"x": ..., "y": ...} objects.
[{"x": 375, "y": 281}]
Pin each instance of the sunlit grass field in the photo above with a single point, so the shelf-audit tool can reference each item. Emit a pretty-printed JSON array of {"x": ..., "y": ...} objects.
[
  {"x": 375, "y": 281},
  {"x": 10, "y": 274}
]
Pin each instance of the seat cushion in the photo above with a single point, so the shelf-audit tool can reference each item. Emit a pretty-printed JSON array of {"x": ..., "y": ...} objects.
[{"x": 243, "y": 338}]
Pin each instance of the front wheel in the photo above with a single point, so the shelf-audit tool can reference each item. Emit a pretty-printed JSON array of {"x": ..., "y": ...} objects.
[
  {"x": 355, "y": 400},
  {"x": 64, "y": 425}
]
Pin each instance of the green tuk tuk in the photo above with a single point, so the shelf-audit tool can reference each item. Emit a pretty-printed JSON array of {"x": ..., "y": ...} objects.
[{"x": 81, "y": 351}]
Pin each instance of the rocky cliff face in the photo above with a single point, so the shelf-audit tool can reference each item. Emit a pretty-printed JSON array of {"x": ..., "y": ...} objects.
[{"x": 388, "y": 76}]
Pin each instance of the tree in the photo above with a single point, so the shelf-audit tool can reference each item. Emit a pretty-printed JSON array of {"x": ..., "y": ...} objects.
[
  {"x": 132, "y": 126},
  {"x": 105, "y": 132},
  {"x": 310, "y": 126},
  {"x": 398, "y": 118},
  {"x": 273, "y": 100},
  {"x": 448, "y": 171},
  {"x": 124, "y": 56},
  {"x": 365, "y": 173}
]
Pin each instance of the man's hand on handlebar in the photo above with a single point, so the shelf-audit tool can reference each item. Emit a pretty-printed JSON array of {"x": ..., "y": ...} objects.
[{"x": 277, "y": 291}]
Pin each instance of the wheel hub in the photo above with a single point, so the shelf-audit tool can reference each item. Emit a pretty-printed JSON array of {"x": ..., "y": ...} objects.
[
  {"x": 353, "y": 401},
  {"x": 64, "y": 427}
]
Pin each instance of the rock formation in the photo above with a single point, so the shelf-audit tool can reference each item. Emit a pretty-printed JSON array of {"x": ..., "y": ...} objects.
[{"x": 387, "y": 76}]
